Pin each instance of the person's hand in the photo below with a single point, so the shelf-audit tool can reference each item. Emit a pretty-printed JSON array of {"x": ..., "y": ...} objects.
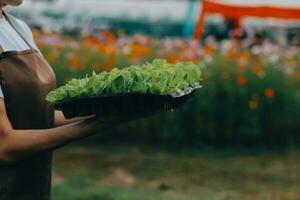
[
  {"x": 120, "y": 119},
  {"x": 95, "y": 124}
]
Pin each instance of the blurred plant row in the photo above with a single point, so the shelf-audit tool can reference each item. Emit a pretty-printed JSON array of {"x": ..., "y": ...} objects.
[{"x": 250, "y": 94}]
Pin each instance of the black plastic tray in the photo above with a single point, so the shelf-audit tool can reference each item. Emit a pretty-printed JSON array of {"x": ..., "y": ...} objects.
[
  {"x": 120, "y": 105},
  {"x": 123, "y": 105}
]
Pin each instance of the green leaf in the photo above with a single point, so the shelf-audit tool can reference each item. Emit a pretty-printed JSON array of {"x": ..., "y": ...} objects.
[{"x": 156, "y": 77}]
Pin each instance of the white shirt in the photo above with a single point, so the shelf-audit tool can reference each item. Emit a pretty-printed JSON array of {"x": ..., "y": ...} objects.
[{"x": 10, "y": 40}]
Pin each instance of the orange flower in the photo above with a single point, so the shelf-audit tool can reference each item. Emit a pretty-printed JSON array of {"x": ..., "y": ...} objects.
[
  {"x": 108, "y": 36},
  {"x": 74, "y": 63},
  {"x": 230, "y": 54},
  {"x": 138, "y": 52},
  {"x": 207, "y": 50},
  {"x": 269, "y": 93},
  {"x": 253, "y": 104},
  {"x": 50, "y": 57},
  {"x": 244, "y": 56},
  {"x": 172, "y": 58},
  {"x": 241, "y": 80},
  {"x": 107, "y": 49},
  {"x": 35, "y": 33},
  {"x": 293, "y": 62},
  {"x": 257, "y": 70},
  {"x": 109, "y": 63},
  {"x": 90, "y": 40}
]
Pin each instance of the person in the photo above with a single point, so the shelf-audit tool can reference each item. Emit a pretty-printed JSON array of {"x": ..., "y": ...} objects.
[{"x": 30, "y": 128}]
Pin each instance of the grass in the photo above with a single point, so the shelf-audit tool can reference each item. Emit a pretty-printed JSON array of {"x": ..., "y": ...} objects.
[{"x": 131, "y": 173}]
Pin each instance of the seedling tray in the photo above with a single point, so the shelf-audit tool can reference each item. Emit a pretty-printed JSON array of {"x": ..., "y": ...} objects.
[{"x": 122, "y": 104}]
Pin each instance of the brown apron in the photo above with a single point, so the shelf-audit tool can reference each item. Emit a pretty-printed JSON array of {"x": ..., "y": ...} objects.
[{"x": 26, "y": 78}]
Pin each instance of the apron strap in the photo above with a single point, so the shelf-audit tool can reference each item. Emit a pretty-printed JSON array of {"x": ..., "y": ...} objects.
[
  {"x": 1, "y": 49},
  {"x": 9, "y": 21}
]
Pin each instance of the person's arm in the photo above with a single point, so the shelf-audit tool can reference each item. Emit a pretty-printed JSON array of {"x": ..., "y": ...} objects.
[
  {"x": 60, "y": 120},
  {"x": 16, "y": 145}
]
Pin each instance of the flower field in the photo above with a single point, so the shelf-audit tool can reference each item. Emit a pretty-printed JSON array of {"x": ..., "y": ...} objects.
[{"x": 250, "y": 94}]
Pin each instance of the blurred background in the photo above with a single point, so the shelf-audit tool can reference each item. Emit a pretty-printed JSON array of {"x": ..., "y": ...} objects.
[{"x": 238, "y": 138}]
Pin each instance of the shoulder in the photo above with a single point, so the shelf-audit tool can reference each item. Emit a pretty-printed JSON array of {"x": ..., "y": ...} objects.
[
  {"x": 22, "y": 27},
  {"x": 24, "y": 30}
]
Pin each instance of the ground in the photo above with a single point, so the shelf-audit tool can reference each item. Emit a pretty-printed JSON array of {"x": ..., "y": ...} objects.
[{"x": 129, "y": 173}]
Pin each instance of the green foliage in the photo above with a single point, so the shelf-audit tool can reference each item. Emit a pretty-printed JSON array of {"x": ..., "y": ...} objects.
[
  {"x": 157, "y": 77},
  {"x": 256, "y": 104}
]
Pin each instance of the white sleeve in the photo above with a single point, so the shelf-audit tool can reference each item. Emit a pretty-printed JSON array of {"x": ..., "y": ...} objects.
[
  {"x": 27, "y": 33},
  {"x": 1, "y": 93}
]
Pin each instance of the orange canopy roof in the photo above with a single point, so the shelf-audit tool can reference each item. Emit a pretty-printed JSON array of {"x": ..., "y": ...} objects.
[{"x": 238, "y": 11}]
